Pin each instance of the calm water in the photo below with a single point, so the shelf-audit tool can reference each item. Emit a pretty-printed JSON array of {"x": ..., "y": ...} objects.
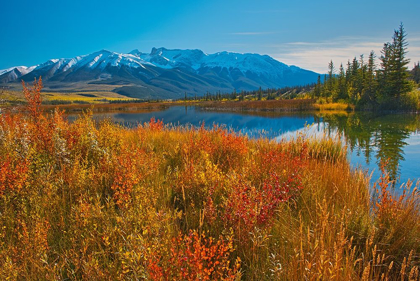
[{"x": 370, "y": 138}]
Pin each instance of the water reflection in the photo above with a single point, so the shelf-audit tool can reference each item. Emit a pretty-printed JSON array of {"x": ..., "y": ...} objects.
[
  {"x": 371, "y": 138},
  {"x": 269, "y": 126},
  {"x": 383, "y": 137}
]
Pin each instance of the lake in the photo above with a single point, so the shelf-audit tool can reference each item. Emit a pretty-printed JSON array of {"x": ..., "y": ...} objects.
[{"x": 371, "y": 138}]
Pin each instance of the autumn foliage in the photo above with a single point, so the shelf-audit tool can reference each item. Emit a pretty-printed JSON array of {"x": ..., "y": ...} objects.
[{"x": 95, "y": 201}]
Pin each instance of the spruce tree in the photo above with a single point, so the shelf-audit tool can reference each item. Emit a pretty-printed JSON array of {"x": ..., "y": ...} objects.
[
  {"x": 369, "y": 94},
  {"x": 393, "y": 80},
  {"x": 259, "y": 94},
  {"x": 415, "y": 73},
  {"x": 361, "y": 76},
  {"x": 399, "y": 74},
  {"x": 342, "y": 85},
  {"x": 317, "y": 89},
  {"x": 330, "y": 89},
  {"x": 384, "y": 77}
]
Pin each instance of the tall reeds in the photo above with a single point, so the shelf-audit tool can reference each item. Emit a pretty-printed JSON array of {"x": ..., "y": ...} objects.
[{"x": 96, "y": 201}]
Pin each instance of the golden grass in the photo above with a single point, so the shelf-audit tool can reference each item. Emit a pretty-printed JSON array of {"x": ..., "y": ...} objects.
[
  {"x": 8, "y": 97},
  {"x": 90, "y": 97},
  {"x": 108, "y": 107},
  {"x": 262, "y": 105},
  {"x": 334, "y": 107},
  {"x": 97, "y": 201}
]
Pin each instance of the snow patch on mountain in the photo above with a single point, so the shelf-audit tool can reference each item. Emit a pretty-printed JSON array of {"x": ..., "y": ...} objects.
[
  {"x": 197, "y": 59},
  {"x": 194, "y": 60},
  {"x": 22, "y": 69}
]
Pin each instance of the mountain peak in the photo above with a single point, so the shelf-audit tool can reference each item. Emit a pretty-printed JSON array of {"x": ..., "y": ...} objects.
[
  {"x": 164, "y": 71},
  {"x": 136, "y": 53},
  {"x": 157, "y": 51},
  {"x": 103, "y": 51}
]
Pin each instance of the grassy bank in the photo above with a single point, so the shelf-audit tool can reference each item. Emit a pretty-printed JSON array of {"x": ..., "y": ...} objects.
[
  {"x": 135, "y": 107},
  {"x": 260, "y": 105},
  {"x": 15, "y": 98},
  {"x": 101, "y": 202},
  {"x": 108, "y": 107},
  {"x": 333, "y": 107},
  {"x": 281, "y": 105}
]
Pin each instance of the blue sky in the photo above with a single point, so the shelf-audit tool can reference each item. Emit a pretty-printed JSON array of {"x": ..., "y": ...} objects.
[{"x": 305, "y": 33}]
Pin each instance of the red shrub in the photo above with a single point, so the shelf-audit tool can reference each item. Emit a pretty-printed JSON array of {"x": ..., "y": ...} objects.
[
  {"x": 194, "y": 257},
  {"x": 13, "y": 174}
]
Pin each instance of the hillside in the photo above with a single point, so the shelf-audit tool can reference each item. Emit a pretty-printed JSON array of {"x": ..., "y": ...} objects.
[{"x": 162, "y": 73}]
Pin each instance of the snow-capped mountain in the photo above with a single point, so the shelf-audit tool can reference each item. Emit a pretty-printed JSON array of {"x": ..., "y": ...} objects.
[
  {"x": 14, "y": 73},
  {"x": 163, "y": 72}
]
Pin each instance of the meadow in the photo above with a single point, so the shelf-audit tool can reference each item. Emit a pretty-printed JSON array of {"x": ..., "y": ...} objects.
[
  {"x": 97, "y": 201},
  {"x": 15, "y": 97}
]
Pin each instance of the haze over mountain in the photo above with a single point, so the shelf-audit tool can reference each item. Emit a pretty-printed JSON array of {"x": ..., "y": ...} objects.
[{"x": 162, "y": 73}]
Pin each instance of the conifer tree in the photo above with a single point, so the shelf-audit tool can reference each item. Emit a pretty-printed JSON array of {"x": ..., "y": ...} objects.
[
  {"x": 330, "y": 83},
  {"x": 399, "y": 64},
  {"x": 317, "y": 89},
  {"x": 233, "y": 96},
  {"x": 342, "y": 85},
  {"x": 415, "y": 73},
  {"x": 259, "y": 94},
  {"x": 370, "y": 85},
  {"x": 242, "y": 96},
  {"x": 393, "y": 79},
  {"x": 384, "y": 77}
]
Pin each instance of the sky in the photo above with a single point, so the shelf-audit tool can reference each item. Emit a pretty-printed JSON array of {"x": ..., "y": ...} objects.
[{"x": 305, "y": 33}]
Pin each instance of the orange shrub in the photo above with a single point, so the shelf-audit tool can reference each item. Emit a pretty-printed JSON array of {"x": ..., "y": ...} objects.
[
  {"x": 194, "y": 257},
  {"x": 131, "y": 167},
  {"x": 13, "y": 174}
]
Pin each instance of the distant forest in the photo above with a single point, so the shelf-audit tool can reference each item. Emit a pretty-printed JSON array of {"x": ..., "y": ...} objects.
[
  {"x": 260, "y": 94},
  {"x": 388, "y": 87}
]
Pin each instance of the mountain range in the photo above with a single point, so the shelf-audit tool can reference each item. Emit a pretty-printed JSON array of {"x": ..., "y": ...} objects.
[{"x": 162, "y": 73}]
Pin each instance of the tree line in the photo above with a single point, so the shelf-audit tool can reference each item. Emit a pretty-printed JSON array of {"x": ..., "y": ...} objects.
[
  {"x": 368, "y": 86},
  {"x": 288, "y": 92}
]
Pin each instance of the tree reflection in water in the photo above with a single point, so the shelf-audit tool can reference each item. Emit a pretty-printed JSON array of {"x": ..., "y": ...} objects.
[{"x": 383, "y": 136}]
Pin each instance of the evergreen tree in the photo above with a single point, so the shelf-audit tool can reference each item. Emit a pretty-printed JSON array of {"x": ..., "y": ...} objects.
[
  {"x": 233, "y": 96},
  {"x": 399, "y": 64},
  {"x": 393, "y": 80},
  {"x": 324, "y": 89},
  {"x": 330, "y": 83},
  {"x": 361, "y": 76},
  {"x": 242, "y": 96},
  {"x": 355, "y": 82},
  {"x": 415, "y": 73},
  {"x": 342, "y": 85},
  {"x": 317, "y": 89},
  {"x": 384, "y": 77},
  {"x": 363, "y": 85},
  {"x": 370, "y": 85}
]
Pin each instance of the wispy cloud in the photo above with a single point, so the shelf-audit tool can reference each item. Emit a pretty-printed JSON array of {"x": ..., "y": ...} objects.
[
  {"x": 415, "y": 38},
  {"x": 316, "y": 55}
]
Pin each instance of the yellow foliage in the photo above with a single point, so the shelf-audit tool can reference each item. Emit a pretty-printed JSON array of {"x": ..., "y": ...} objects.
[{"x": 97, "y": 201}]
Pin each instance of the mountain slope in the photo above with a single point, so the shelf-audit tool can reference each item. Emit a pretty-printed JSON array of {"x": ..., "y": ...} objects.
[{"x": 162, "y": 73}]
